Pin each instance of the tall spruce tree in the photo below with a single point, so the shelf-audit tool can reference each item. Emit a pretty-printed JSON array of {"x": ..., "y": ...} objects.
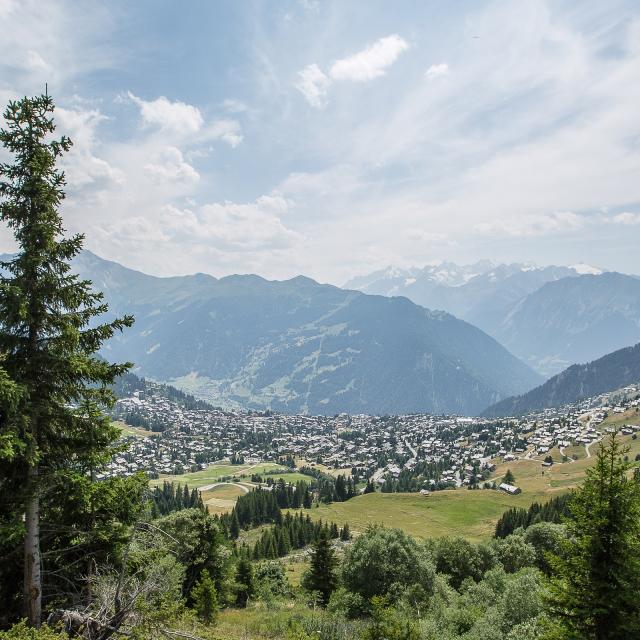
[
  {"x": 48, "y": 336},
  {"x": 205, "y": 598},
  {"x": 245, "y": 583},
  {"x": 594, "y": 593},
  {"x": 321, "y": 576}
]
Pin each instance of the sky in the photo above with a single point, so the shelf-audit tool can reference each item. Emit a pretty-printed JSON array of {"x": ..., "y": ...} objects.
[{"x": 331, "y": 139}]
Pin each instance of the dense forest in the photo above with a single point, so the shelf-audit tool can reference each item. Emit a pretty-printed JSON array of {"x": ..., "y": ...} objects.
[{"x": 115, "y": 558}]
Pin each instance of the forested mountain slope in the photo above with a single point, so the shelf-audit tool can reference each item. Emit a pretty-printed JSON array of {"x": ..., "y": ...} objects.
[
  {"x": 299, "y": 346},
  {"x": 579, "y": 381}
]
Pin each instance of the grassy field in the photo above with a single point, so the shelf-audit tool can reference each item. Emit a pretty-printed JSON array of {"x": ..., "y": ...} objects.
[
  {"x": 294, "y": 567},
  {"x": 631, "y": 416},
  {"x": 472, "y": 514},
  {"x": 576, "y": 451},
  {"x": 223, "y": 492},
  {"x": 127, "y": 430},
  {"x": 216, "y": 471},
  {"x": 287, "y": 477},
  {"x": 537, "y": 485},
  {"x": 222, "y": 498}
]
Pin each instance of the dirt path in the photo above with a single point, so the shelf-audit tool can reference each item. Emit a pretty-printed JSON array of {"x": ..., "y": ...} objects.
[
  {"x": 562, "y": 453},
  {"x": 208, "y": 487}
]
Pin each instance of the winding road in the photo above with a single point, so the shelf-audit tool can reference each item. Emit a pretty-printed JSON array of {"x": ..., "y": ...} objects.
[{"x": 208, "y": 487}]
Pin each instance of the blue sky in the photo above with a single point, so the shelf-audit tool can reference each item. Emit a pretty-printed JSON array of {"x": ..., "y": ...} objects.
[{"x": 334, "y": 138}]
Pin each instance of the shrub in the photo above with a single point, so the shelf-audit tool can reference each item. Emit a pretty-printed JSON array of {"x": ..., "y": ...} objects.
[
  {"x": 383, "y": 560},
  {"x": 21, "y": 631}
]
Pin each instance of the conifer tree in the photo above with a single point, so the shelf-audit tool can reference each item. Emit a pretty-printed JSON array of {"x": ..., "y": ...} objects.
[
  {"x": 205, "y": 598},
  {"x": 594, "y": 593},
  {"x": 340, "y": 489},
  {"x": 321, "y": 576},
  {"x": 48, "y": 337},
  {"x": 245, "y": 587},
  {"x": 234, "y": 526}
]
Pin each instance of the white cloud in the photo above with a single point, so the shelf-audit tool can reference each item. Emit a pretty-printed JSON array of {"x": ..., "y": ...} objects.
[
  {"x": 224, "y": 235},
  {"x": 626, "y": 218},
  {"x": 227, "y": 130},
  {"x": 169, "y": 165},
  {"x": 185, "y": 121},
  {"x": 35, "y": 62},
  {"x": 81, "y": 165},
  {"x": 234, "y": 106},
  {"x": 370, "y": 63},
  {"x": 313, "y": 84},
  {"x": 247, "y": 227},
  {"x": 310, "y": 5},
  {"x": 437, "y": 71},
  {"x": 178, "y": 117},
  {"x": 537, "y": 225}
]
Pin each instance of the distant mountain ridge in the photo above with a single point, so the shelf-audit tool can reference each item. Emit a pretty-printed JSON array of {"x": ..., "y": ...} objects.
[
  {"x": 482, "y": 293},
  {"x": 580, "y": 381},
  {"x": 550, "y": 317},
  {"x": 301, "y": 347},
  {"x": 573, "y": 320}
]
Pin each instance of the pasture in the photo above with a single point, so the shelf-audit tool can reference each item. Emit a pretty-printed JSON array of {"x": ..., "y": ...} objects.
[
  {"x": 462, "y": 512},
  {"x": 215, "y": 472}
]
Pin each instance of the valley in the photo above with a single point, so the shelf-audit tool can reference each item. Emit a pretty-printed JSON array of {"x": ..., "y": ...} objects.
[{"x": 433, "y": 475}]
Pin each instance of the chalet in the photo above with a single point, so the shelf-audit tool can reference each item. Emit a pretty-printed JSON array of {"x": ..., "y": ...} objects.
[{"x": 510, "y": 488}]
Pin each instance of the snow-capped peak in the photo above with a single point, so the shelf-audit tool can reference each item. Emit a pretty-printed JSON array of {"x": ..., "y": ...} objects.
[{"x": 586, "y": 269}]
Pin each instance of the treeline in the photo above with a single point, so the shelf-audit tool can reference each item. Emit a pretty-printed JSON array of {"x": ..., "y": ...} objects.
[
  {"x": 552, "y": 511},
  {"x": 294, "y": 532},
  {"x": 264, "y": 506},
  {"x": 171, "y": 497},
  {"x": 329, "y": 488}
]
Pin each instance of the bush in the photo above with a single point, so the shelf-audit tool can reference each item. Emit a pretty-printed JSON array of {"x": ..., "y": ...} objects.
[
  {"x": 347, "y": 604},
  {"x": 21, "y": 631},
  {"x": 459, "y": 559},
  {"x": 384, "y": 560},
  {"x": 388, "y": 624},
  {"x": 514, "y": 553},
  {"x": 271, "y": 581},
  {"x": 546, "y": 538}
]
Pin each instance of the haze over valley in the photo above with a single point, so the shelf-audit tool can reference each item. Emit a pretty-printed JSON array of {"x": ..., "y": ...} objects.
[{"x": 319, "y": 320}]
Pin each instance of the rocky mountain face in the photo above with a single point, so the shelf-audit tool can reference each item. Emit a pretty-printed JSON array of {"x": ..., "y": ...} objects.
[
  {"x": 299, "y": 346},
  {"x": 580, "y": 381}
]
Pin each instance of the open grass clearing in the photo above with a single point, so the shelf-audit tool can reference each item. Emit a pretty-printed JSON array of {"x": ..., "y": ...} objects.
[
  {"x": 575, "y": 452},
  {"x": 291, "y": 478},
  {"x": 223, "y": 492},
  {"x": 215, "y": 472},
  {"x": 543, "y": 483},
  {"x": 128, "y": 430},
  {"x": 630, "y": 416},
  {"x": 472, "y": 514}
]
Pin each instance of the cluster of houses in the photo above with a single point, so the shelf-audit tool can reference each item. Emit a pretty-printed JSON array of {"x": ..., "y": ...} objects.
[{"x": 442, "y": 451}]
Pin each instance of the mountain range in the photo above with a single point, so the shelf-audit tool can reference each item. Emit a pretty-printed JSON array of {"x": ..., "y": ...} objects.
[
  {"x": 297, "y": 346},
  {"x": 550, "y": 317},
  {"x": 580, "y": 381}
]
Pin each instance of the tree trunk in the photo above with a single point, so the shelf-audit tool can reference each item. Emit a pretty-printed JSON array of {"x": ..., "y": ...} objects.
[{"x": 32, "y": 561}]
